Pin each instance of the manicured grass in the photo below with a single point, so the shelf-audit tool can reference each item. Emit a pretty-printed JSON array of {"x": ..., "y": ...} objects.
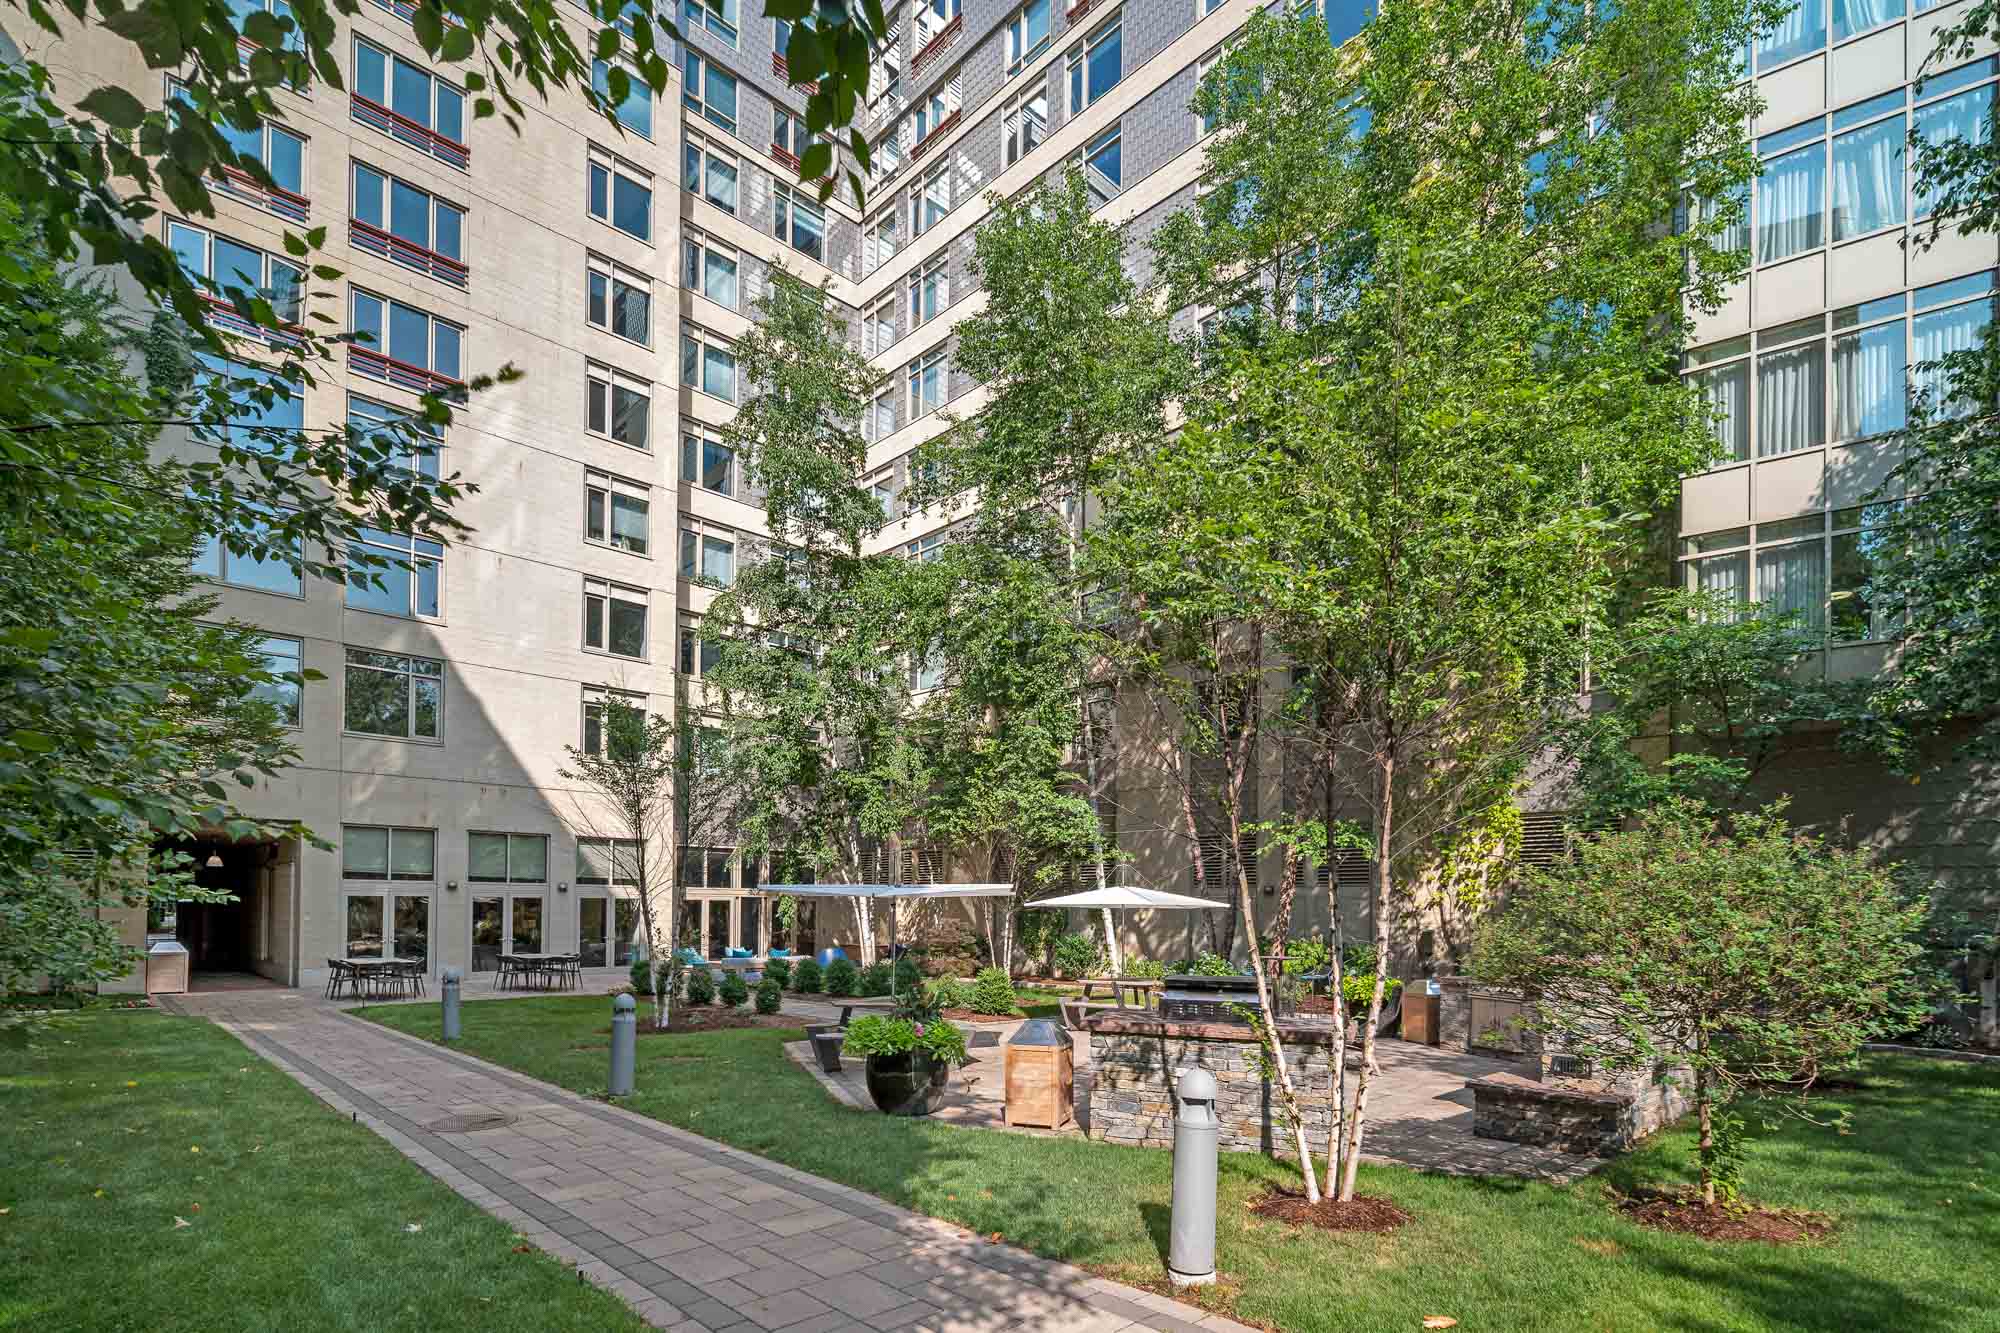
[
  {"x": 1915, "y": 1188},
  {"x": 112, "y": 1125}
]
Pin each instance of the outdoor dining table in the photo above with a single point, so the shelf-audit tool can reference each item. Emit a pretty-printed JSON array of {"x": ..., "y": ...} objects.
[
  {"x": 371, "y": 974},
  {"x": 1122, "y": 992},
  {"x": 536, "y": 971}
]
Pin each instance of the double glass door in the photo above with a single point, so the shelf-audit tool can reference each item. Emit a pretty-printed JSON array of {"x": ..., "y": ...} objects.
[
  {"x": 710, "y": 925},
  {"x": 607, "y": 931},
  {"x": 389, "y": 925},
  {"x": 510, "y": 923}
]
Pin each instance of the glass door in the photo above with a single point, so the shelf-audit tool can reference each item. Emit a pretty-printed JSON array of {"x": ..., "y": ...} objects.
[
  {"x": 413, "y": 928},
  {"x": 607, "y": 931},
  {"x": 592, "y": 919},
  {"x": 525, "y": 924},
  {"x": 749, "y": 924},
  {"x": 488, "y": 929},
  {"x": 718, "y": 926}
]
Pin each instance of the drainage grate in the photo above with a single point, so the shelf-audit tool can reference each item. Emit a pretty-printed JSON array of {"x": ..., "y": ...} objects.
[{"x": 469, "y": 1124}]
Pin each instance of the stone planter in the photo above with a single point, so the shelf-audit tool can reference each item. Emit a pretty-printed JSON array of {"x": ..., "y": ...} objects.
[{"x": 907, "y": 1084}]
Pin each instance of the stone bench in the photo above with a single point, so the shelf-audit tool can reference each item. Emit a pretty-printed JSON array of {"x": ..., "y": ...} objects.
[{"x": 1587, "y": 1117}]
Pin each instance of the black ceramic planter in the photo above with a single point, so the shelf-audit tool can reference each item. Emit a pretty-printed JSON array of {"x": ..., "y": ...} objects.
[{"x": 907, "y": 1084}]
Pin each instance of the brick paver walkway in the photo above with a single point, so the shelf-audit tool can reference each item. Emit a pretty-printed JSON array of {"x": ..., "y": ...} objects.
[{"x": 694, "y": 1234}]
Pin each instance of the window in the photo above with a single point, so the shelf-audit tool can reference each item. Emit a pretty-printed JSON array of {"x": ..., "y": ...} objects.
[
  {"x": 709, "y": 268},
  {"x": 883, "y": 491},
  {"x": 618, "y": 300},
  {"x": 709, "y": 92},
  {"x": 1868, "y": 166},
  {"x": 930, "y": 201},
  {"x": 930, "y": 18},
  {"x": 926, "y": 548},
  {"x": 1096, "y": 66},
  {"x": 1027, "y": 35},
  {"x": 926, "y": 384},
  {"x": 277, "y": 150},
  {"x": 280, "y": 573},
  {"x": 425, "y": 111},
  {"x": 925, "y": 674},
  {"x": 931, "y": 114},
  {"x": 285, "y": 659},
  {"x": 880, "y": 422},
  {"x": 708, "y": 463},
  {"x": 929, "y": 294},
  {"x": 720, "y": 17},
  {"x": 635, "y": 110},
  {"x": 387, "y": 853},
  {"x": 616, "y": 405},
  {"x": 219, "y": 264},
  {"x": 621, "y": 729},
  {"x": 1950, "y": 108},
  {"x": 615, "y": 512},
  {"x": 389, "y": 694},
  {"x": 413, "y": 444},
  {"x": 699, "y": 655},
  {"x": 878, "y": 328},
  {"x": 1855, "y": 16},
  {"x": 708, "y": 364},
  {"x": 801, "y": 223},
  {"x": 409, "y": 920},
  {"x": 408, "y": 586},
  {"x": 252, "y": 421},
  {"x": 788, "y": 133},
  {"x": 887, "y": 157},
  {"x": 609, "y": 861},
  {"x": 621, "y": 195},
  {"x": 1207, "y": 122},
  {"x": 428, "y": 227},
  {"x": 1799, "y": 208},
  {"x": 1024, "y": 123},
  {"x": 1103, "y": 163},
  {"x": 507, "y": 858},
  {"x": 880, "y": 239},
  {"x": 614, "y": 618},
  {"x": 1801, "y": 31},
  {"x": 411, "y": 338},
  {"x": 1857, "y": 547},
  {"x": 1791, "y": 387},
  {"x": 710, "y": 174},
  {"x": 708, "y": 555},
  {"x": 1847, "y": 375}
]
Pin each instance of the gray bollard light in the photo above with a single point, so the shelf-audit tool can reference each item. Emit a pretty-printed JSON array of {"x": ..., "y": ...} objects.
[
  {"x": 452, "y": 980},
  {"x": 624, "y": 1044},
  {"x": 1191, "y": 1247}
]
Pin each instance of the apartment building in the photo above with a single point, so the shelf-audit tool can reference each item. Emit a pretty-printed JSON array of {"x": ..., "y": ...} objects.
[{"x": 617, "y": 269}]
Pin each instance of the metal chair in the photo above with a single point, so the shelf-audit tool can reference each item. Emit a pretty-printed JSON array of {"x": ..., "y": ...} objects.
[{"x": 338, "y": 976}]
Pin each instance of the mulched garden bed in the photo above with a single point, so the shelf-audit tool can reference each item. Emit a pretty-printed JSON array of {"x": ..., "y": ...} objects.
[
  {"x": 1684, "y": 1212},
  {"x": 1364, "y": 1212},
  {"x": 686, "y": 1020}
]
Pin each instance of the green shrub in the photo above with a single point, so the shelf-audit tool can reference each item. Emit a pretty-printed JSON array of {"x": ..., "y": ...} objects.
[
  {"x": 992, "y": 992},
  {"x": 806, "y": 978},
  {"x": 770, "y": 994},
  {"x": 780, "y": 971},
  {"x": 700, "y": 986},
  {"x": 1145, "y": 968},
  {"x": 908, "y": 975},
  {"x": 874, "y": 1034},
  {"x": 949, "y": 992},
  {"x": 873, "y": 980},
  {"x": 1077, "y": 955},
  {"x": 1036, "y": 932},
  {"x": 841, "y": 978},
  {"x": 734, "y": 989},
  {"x": 642, "y": 981},
  {"x": 1358, "y": 988},
  {"x": 1308, "y": 953},
  {"x": 1208, "y": 964}
]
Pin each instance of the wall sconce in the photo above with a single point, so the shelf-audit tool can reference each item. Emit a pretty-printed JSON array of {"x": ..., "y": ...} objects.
[
  {"x": 214, "y": 861},
  {"x": 562, "y": 886},
  {"x": 451, "y": 886}
]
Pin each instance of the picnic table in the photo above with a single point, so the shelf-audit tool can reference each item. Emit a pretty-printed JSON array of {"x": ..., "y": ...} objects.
[
  {"x": 849, "y": 1004},
  {"x": 1100, "y": 993}
]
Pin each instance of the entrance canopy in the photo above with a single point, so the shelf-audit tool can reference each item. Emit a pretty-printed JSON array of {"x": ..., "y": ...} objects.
[{"x": 893, "y": 890}]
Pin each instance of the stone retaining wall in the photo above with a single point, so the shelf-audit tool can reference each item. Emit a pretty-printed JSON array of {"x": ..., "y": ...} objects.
[
  {"x": 1136, "y": 1063},
  {"x": 1596, "y": 1119}
]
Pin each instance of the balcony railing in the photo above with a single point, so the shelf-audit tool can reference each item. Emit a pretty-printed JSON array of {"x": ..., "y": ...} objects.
[
  {"x": 936, "y": 45},
  {"x": 395, "y": 249},
  {"x": 242, "y": 185},
  {"x": 942, "y": 128},
  {"x": 425, "y": 140},
  {"x": 783, "y": 70},
  {"x": 225, "y": 316},
  {"x": 378, "y": 366}
]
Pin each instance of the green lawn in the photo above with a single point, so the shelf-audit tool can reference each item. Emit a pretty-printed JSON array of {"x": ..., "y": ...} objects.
[
  {"x": 115, "y": 1124},
  {"x": 1915, "y": 1187}
]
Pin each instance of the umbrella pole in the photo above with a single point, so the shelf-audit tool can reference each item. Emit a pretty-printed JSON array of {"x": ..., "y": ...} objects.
[{"x": 892, "y": 947}]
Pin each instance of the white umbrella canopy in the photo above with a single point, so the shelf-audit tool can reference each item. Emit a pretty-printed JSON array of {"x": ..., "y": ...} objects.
[{"x": 1129, "y": 896}]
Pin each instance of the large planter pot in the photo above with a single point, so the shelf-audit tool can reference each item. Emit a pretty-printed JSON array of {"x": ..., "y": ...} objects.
[{"x": 907, "y": 1084}]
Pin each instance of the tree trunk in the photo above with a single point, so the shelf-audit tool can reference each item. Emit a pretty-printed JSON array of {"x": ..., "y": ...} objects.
[
  {"x": 866, "y": 917},
  {"x": 1989, "y": 1007},
  {"x": 1358, "y": 1112},
  {"x": 1336, "y": 1147},
  {"x": 1288, "y": 887},
  {"x": 1705, "y": 1145}
]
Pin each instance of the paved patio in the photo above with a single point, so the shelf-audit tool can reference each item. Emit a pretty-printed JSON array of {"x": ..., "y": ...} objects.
[
  {"x": 1419, "y": 1110},
  {"x": 695, "y": 1235}
]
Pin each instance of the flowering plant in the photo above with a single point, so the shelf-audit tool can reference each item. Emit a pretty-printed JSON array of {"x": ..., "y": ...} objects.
[{"x": 876, "y": 1035}]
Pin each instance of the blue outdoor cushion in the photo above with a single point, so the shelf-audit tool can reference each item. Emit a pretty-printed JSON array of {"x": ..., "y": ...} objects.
[
  {"x": 737, "y": 953},
  {"x": 781, "y": 953},
  {"x": 690, "y": 956}
]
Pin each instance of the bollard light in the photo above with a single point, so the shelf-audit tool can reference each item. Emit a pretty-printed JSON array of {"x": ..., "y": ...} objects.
[
  {"x": 624, "y": 1044},
  {"x": 1191, "y": 1246},
  {"x": 452, "y": 980}
]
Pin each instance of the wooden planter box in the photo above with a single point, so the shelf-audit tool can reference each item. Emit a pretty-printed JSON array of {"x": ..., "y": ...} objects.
[{"x": 1420, "y": 1016}]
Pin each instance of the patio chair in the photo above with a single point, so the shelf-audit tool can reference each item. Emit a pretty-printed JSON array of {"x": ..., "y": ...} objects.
[{"x": 338, "y": 976}]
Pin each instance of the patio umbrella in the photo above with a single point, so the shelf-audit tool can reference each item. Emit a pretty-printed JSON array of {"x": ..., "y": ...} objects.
[
  {"x": 1125, "y": 896},
  {"x": 892, "y": 892}
]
